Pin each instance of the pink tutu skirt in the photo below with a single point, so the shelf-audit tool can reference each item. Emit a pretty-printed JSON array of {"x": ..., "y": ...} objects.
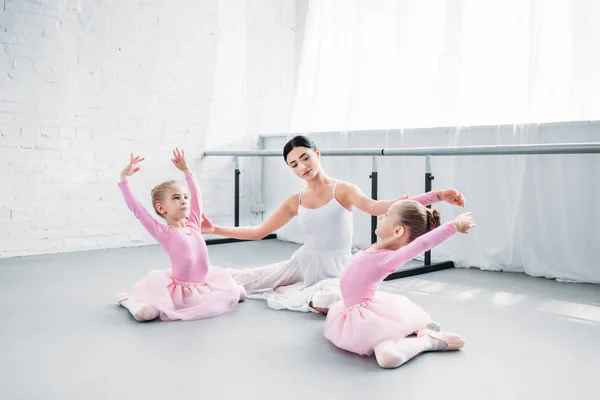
[
  {"x": 361, "y": 327},
  {"x": 177, "y": 300}
]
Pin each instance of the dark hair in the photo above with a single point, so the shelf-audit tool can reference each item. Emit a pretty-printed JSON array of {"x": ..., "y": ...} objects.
[
  {"x": 418, "y": 218},
  {"x": 298, "y": 141}
]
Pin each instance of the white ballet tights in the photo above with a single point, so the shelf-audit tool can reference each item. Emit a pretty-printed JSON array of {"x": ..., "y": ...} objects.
[
  {"x": 391, "y": 354},
  {"x": 140, "y": 311}
]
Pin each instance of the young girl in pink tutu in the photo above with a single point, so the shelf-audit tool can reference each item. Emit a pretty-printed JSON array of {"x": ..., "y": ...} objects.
[
  {"x": 191, "y": 289},
  {"x": 367, "y": 320}
]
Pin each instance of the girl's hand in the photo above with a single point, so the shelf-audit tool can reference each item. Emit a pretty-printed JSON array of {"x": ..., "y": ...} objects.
[
  {"x": 179, "y": 160},
  {"x": 464, "y": 222},
  {"x": 132, "y": 167},
  {"x": 451, "y": 196}
]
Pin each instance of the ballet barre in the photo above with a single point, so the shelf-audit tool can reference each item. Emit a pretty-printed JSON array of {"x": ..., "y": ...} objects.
[{"x": 427, "y": 152}]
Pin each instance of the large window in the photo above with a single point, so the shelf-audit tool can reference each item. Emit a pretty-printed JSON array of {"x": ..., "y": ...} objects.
[{"x": 383, "y": 64}]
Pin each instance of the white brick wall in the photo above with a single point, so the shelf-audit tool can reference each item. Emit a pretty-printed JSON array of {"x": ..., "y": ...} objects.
[{"x": 83, "y": 83}]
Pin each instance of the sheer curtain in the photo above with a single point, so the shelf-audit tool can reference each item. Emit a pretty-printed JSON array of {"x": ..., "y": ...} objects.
[
  {"x": 385, "y": 64},
  {"x": 398, "y": 65}
]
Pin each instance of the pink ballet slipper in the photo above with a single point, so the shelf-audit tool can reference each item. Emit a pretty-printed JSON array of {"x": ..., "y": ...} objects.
[
  {"x": 451, "y": 341},
  {"x": 432, "y": 326}
]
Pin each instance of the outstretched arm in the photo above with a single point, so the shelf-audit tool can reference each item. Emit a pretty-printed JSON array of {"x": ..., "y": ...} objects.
[
  {"x": 394, "y": 259},
  {"x": 426, "y": 198},
  {"x": 279, "y": 218},
  {"x": 153, "y": 227},
  {"x": 373, "y": 207},
  {"x": 450, "y": 196},
  {"x": 378, "y": 207}
]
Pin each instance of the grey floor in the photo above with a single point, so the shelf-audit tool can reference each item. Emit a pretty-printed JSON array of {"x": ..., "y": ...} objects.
[{"x": 63, "y": 337}]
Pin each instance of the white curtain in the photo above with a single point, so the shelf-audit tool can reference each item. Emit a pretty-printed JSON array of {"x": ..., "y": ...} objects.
[
  {"x": 380, "y": 64},
  {"x": 396, "y": 65}
]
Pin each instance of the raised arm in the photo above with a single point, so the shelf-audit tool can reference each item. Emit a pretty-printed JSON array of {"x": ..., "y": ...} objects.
[
  {"x": 153, "y": 227},
  {"x": 196, "y": 206},
  {"x": 279, "y": 218},
  {"x": 195, "y": 193}
]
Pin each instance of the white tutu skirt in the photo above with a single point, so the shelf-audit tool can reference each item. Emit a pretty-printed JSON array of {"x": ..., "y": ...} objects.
[{"x": 293, "y": 284}]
